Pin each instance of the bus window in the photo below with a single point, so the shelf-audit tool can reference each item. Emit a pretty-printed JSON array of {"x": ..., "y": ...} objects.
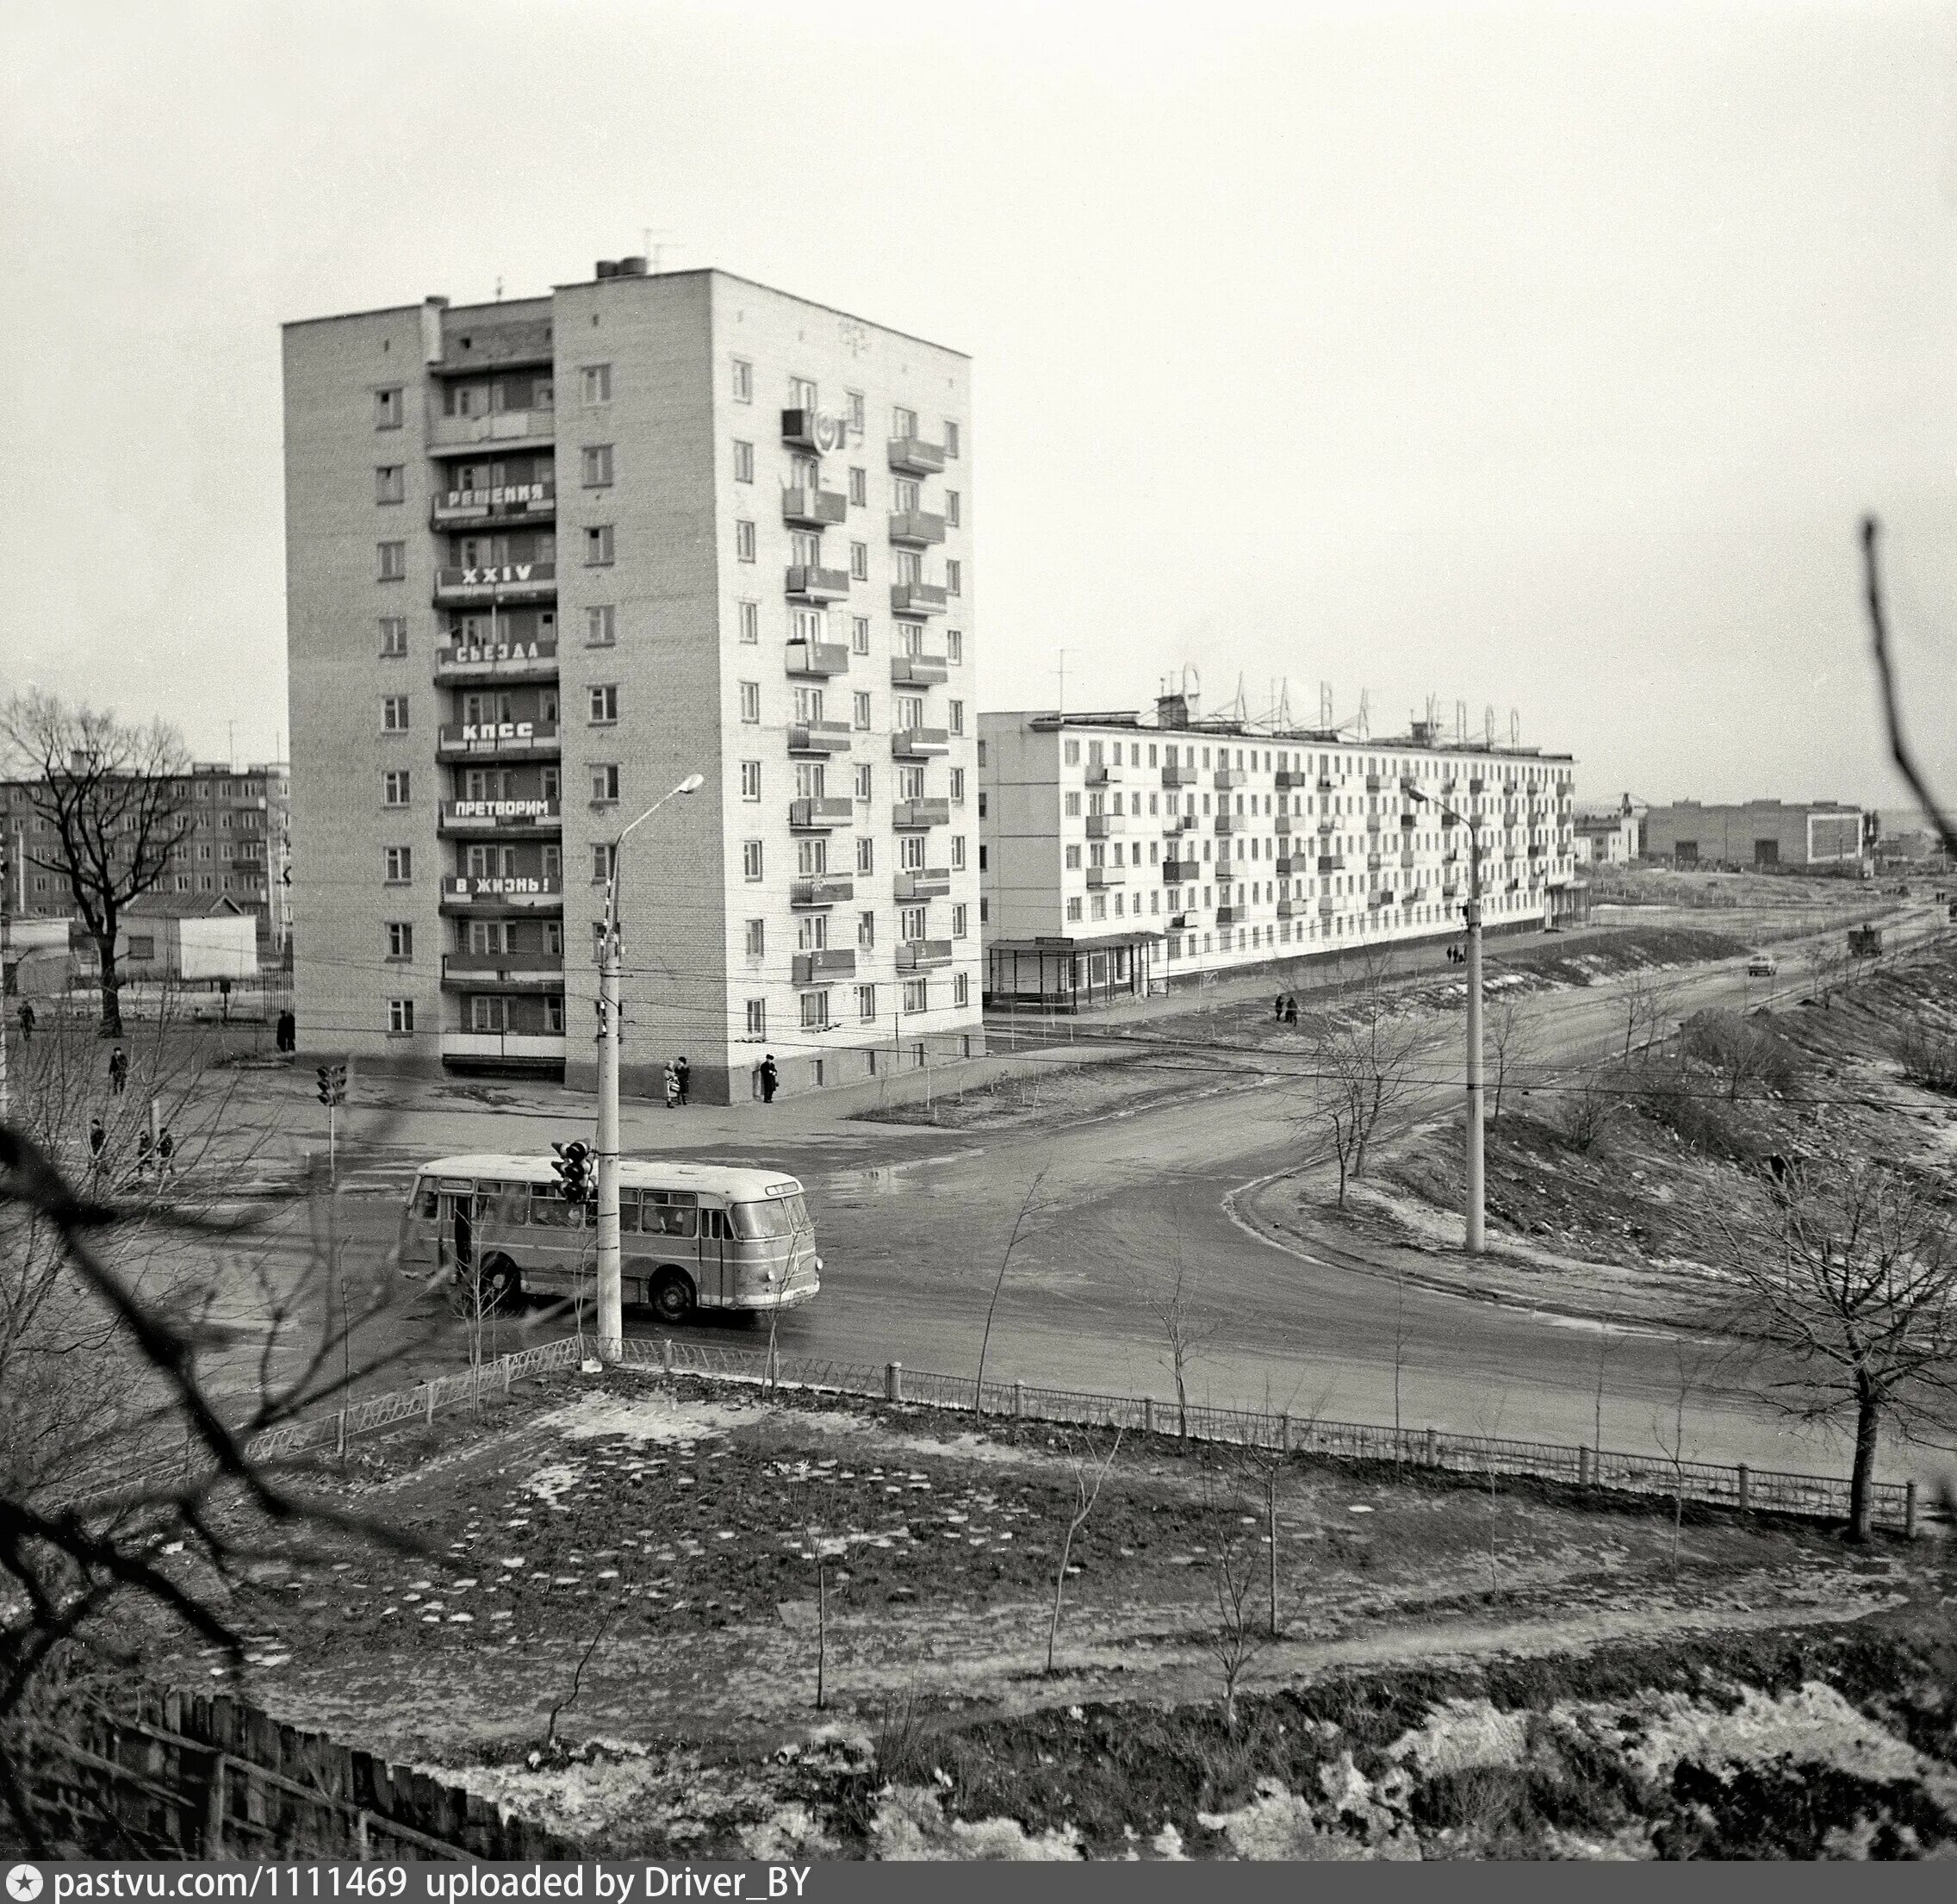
[
  {"x": 782, "y": 1216},
  {"x": 513, "y": 1204},
  {"x": 667, "y": 1213},
  {"x": 627, "y": 1212},
  {"x": 553, "y": 1213},
  {"x": 425, "y": 1198},
  {"x": 713, "y": 1225}
]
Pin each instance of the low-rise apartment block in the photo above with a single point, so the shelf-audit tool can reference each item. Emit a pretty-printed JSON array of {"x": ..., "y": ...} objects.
[
  {"x": 548, "y": 557},
  {"x": 1121, "y": 855}
]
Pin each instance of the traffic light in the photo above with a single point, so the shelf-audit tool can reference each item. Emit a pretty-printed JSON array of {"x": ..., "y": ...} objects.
[
  {"x": 573, "y": 1165},
  {"x": 333, "y": 1084}
]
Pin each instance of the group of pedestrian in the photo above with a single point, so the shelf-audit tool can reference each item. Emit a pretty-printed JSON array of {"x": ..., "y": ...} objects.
[
  {"x": 156, "y": 1147},
  {"x": 1284, "y": 1011},
  {"x": 679, "y": 1082},
  {"x": 285, "y": 1035},
  {"x": 1456, "y": 955}
]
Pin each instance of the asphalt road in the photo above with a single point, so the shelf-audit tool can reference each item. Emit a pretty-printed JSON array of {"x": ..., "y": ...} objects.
[{"x": 913, "y": 1224}]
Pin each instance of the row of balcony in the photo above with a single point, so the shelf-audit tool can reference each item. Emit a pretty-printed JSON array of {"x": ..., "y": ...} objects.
[
  {"x": 464, "y": 662},
  {"x": 819, "y": 432},
  {"x": 806, "y": 582},
  {"x": 509, "y": 505},
  {"x": 823, "y": 659},
  {"x": 511, "y": 582}
]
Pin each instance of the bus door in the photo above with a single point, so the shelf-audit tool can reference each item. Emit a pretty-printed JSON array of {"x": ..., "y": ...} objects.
[
  {"x": 717, "y": 1257},
  {"x": 455, "y": 1228}
]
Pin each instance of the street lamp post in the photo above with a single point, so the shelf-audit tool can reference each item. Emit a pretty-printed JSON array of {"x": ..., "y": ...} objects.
[
  {"x": 611, "y": 1282},
  {"x": 1477, "y": 1186}
]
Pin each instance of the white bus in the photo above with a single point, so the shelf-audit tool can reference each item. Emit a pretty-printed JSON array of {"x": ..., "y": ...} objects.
[{"x": 690, "y": 1235}]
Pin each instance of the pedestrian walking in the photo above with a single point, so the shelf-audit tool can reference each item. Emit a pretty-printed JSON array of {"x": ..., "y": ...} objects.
[
  {"x": 1277, "y": 1009},
  {"x": 771, "y": 1078},
  {"x": 165, "y": 1153},
  {"x": 145, "y": 1142},
  {"x": 26, "y": 1015},
  {"x": 1290, "y": 1012},
  {"x": 118, "y": 1070},
  {"x": 684, "y": 1072},
  {"x": 97, "y": 1138},
  {"x": 672, "y": 1088},
  {"x": 287, "y": 1035}
]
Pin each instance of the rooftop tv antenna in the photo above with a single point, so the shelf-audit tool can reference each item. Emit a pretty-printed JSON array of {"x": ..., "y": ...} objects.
[
  {"x": 655, "y": 241},
  {"x": 1240, "y": 708},
  {"x": 1325, "y": 707},
  {"x": 1488, "y": 723},
  {"x": 1283, "y": 713},
  {"x": 1515, "y": 727},
  {"x": 1461, "y": 723},
  {"x": 499, "y": 288}
]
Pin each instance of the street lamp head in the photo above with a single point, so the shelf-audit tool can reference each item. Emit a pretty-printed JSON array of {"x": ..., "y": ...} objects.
[{"x": 692, "y": 784}]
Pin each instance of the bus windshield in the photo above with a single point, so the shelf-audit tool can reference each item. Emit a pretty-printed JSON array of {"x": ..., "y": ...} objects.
[{"x": 782, "y": 1216}]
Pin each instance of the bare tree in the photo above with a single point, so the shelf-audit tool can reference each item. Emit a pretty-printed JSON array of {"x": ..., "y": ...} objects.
[
  {"x": 1013, "y": 1241},
  {"x": 1512, "y": 1044},
  {"x": 1828, "y": 966},
  {"x": 1365, "y": 1051},
  {"x": 1604, "y": 1347},
  {"x": 1647, "y": 1002},
  {"x": 1586, "y": 1110},
  {"x": 1847, "y": 1283},
  {"x": 1669, "y": 1434},
  {"x": 1084, "y": 1497},
  {"x": 1186, "y": 1330},
  {"x": 114, "y": 797},
  {"x": 1236, "y": 1641}
]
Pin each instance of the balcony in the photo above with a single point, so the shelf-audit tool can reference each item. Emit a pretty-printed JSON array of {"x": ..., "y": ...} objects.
[
  {"x": 916, "y": 598},
  {"x": 507, "y": 505},
  {"x": 922, "y": 882},
  {"x": 814, "y": 508},
  {"x": 819, "y": 737},
  {"x": 1326, "y": 827},
  {"x": 919, "y": 670},
  {"x": 1408, "y": 859},
  {"x": 1287, "y": 777},
  {"x": 912, "y": 456},
  {"x": 1180, "y": 823},
  {"x": 1232, "y": 915},
  {"x": 1407, "y": 821},
  {"x": 817, "y": 967},
  {"x": 1227, "y": 777},
  {"x": 1229, "y": 823},
  {"x": 535, "y": 429},
  {"x": 504, "y": 971},
  {"x": 1293, "y": 865},
  {"x": 508, "y": 581},
  {"x": 922, "y": 955},
  {"x": 1173, "y": 776},
  {"x": 1178, "y": 871},
  {"x": 524, "y": 1047},
  {"x": 1325, "y": 783},
  {"x": 914, "y": 816},
  {"x": 916, "y": 528},
  {"x": 1103, "y": 773},
  {"x": 1327, "y": 908},
  {"x": 1373, "y": 863},
  {"x": 484, "y": 819},
  {"x": 1287, "y": 909},
  {"x": 821, "y": 892},
  {"x": 817, "y": 815},
  {"x": 1099, "y": 876},
  {"x": 814, "y": 430},
  {"x": 1374, "y": 782},
  {"x": 502, "y": 892},
  {"x": 1101, "y": 826},
  {"x": 808, "y": 584},
  {"x": 1332, "y": 863},
  {"x": 818, "y": 657},
  {"x": 496, "y": 661},
  {"x": 497, "y": 740},
  {"x": 920, "y": 743},
  {"x": 1380, "y": 900}
]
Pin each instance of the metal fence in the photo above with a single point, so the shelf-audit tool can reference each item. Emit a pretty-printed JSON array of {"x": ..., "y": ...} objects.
[{"x": 1737, "y": 1486}]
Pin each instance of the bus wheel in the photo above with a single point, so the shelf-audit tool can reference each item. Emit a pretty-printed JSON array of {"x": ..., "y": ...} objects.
[
  {"x": 503, "y": 1286},
  {"x": 673, "y": 1298}
]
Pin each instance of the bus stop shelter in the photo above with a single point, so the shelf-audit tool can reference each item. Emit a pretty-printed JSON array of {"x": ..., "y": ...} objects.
[{"x": 1061, "y": 973}]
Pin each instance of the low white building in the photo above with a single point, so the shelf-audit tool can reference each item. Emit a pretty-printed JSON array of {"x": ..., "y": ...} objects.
[
  {"x": 1120, "y": 855},
  {"x": 193, "y": 940}
]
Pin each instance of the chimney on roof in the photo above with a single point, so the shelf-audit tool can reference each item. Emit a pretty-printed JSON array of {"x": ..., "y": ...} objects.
[
  {"x": 607, "y": 267},
  {"x": 1176, "y": 710},
  {"x": 631, "y": 267}
]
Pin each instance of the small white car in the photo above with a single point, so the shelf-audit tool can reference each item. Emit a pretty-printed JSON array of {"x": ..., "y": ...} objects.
[{"x": 1760, "y": 966}]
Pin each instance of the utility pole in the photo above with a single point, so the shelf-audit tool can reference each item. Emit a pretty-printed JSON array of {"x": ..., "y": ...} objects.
[{"x": 611, "y": 1280}]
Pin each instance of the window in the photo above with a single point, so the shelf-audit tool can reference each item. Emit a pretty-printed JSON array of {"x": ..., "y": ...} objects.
[
  {"x": 916, "y": 995},
  {"x": 750, "y": 780},
  {"x": 750, "y": 859},
  {"x": 757, "y": 1016},
  {"x": 958, "y": 914},
  {"x": 604, "y": 779},
  {"x": 392, "y": 559},
  {"x": 961, "y": 988},
  {"x": 757, "y": 938},
  {"x": 903, "y": 422},
  {"x": 602, "y": 859},
  {"x": 952, "y": 508},
  {"x": 910, "y": 852},
  {"x": 958, "y": 852},
  {"x": 743, "y": 542},
  {"x": 594, "y": 383},
  {"x": 604, "y": 706},
  {"x": 743, "y": 461},
  {"x": 957, "y": 786},
  {"x": 954, "y": 646},
  {"x": 1073, "y": 753},
  {"x": 951, "y": 438},
  {"x": 853, "y": 406},
  {"x": 814, "y": 1011},
  {"x": 859, "y": 489},
  {"x": 398, "y": 863},
  {"x": 598, "y": 546},
  {"x": 956, "y": 717},
  {"x": 601, "y": 626},
  {"x": 1073, "y": 859},
  {"x": 597, "y": 461},
  {"x": 859, "y": 634},
  {"x": 859, "y": 562},
  {"x": 859, "y": 705},
  {"x": 401, "y": 939},
  {"x": 866, "y": 1004},
  {"x": 954, "y": 572},
  {"x": 865, "y": 931},
  {"x": 393, "y": 787},
  {"x": 394, "y": 634},
  {"x": 864, "y": 785},
  {"x": 866, "y": 855},
  {"x": 401, "y": 1015},
  {"x": 387, "y": 409},
  {"x": 910, "y": 923},
  {"x": 390, "y": 483},
  {"x": 750, "y": 701},
  {"x": 393, "y": 714},
  {"x": 801, "y": 393},
  {"x": 1072, "y": 806},
  {"x": 750, "y": 622}
]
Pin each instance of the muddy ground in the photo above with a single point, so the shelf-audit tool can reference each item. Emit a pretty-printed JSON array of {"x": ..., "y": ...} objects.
[{"x": 643, "y": 1558}]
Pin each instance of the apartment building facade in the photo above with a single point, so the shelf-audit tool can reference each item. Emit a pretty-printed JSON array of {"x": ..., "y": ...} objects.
[
  {"x": 236, "y": 831},
  {"x": 1121, "y": 856},
  {"x": 548, "y": 557}
]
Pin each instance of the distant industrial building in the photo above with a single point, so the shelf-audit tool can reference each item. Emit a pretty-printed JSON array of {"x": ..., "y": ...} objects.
[
  {"x": 1119, "y": 854},
  {"x": 1615, "y": 838},
  {"x": 1824, "y": 834}
]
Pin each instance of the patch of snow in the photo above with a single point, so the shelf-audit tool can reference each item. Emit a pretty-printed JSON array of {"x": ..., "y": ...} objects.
[
  {"x": 910, "y": 1826},
  {"x": 643, "y": 1418},
  {"x": 1463, "y": 1735}
]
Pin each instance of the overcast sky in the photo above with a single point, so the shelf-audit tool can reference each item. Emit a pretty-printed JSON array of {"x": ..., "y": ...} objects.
[{"x": 1543, "y": 357}]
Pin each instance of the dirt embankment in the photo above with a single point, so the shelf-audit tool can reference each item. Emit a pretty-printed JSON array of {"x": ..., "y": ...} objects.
[
  {"x": 624, "y": 1591},
  {"x": 1610, "y": 1192}
]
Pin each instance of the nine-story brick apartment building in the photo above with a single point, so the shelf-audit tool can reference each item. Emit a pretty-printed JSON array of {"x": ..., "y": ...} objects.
[{"x": 547, "y": 557}]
